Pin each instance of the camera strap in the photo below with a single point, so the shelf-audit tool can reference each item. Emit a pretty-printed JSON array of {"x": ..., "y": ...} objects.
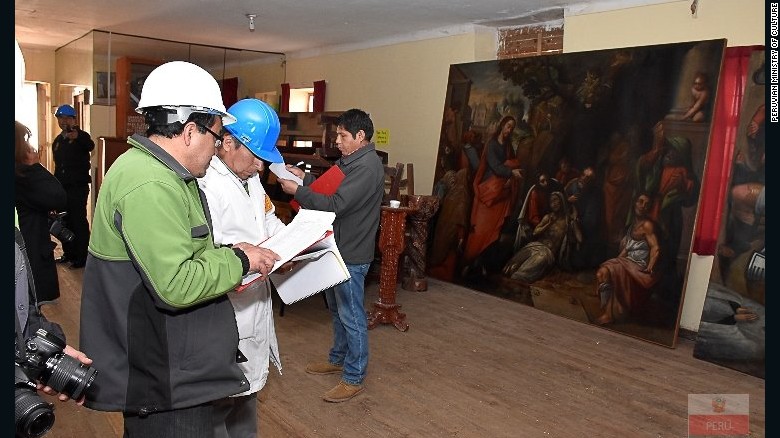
[
  {"x": 19, "y": 338},
  {"x": 25, "y": 261}
]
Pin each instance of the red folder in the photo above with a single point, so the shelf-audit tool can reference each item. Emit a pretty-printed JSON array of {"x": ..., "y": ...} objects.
[{"x": 327, "y": 184}]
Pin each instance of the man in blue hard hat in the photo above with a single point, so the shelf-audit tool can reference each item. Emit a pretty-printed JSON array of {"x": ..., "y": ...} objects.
[
  {"x": 241, "y": 210},
  {"x": 71, "y": 151}
]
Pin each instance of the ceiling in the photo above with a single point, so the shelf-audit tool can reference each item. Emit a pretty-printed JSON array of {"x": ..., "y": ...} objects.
[{"x": 285, "y": 26}]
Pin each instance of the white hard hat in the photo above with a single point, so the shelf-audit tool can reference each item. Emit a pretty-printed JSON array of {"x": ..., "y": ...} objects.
[{"x": 185, "y": 88}]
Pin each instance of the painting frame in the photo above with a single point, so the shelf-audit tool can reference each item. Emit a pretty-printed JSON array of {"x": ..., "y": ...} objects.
[
  {"x": 105, "y": 88},
  {"x": 634, "y": 119}
]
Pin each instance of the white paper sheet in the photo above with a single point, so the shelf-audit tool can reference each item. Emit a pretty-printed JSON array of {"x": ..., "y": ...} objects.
[
  {"x": 280, "y": 170},
  {"x": 308, "y": 227},
  {"x": 305, "y": 233},
  {"x": 319, "y": 268}
]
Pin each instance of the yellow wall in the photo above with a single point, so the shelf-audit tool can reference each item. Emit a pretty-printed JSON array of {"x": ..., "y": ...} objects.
[
  {"x": 39, "y": 65},
  {"x": 402, "y": 86},
  {"x": 257, "y": 77},
  {"x": 741, "y": 22}
]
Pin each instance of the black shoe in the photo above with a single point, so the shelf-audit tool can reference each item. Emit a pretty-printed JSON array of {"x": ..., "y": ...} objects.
[
  {"x": 62, "y": 259},
  {"x": 78, "y": 264}
]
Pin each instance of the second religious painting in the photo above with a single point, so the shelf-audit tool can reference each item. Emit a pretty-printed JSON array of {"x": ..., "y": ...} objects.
[
  {"x": 732, "y": 331},
  {"x": 571, "y": 182}
]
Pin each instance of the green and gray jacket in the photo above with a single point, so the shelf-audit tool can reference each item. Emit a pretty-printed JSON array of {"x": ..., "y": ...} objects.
[{"x": 154, "y": 315}]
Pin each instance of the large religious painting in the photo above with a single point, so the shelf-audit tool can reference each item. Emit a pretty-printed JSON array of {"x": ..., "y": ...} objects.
[
  {"x": 571, "y": 182},
  {"x": 732, "y": 328}
]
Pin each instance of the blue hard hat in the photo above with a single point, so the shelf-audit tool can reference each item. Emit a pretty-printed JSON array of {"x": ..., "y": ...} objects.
[
  {"x": 256, "y": 127},
  {"x": 65, "y": 111}
]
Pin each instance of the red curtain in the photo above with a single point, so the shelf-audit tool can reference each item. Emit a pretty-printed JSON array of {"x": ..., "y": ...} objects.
[
  {"x": 229, "y": 88},
  {"x": 731, "y": 88},
  {"x": 319, "y": 96},
  {"x": 284, "y": 105}
]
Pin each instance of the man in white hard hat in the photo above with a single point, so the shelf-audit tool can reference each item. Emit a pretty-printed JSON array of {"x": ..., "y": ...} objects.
[{"x": 155, "y": 317}]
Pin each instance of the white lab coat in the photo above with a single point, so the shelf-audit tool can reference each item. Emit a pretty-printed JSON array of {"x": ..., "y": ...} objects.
[{"x": 240, "y": 217}]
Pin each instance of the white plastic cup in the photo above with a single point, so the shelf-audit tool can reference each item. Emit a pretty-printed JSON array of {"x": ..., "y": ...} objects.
[{"x": 395, "y": 204}]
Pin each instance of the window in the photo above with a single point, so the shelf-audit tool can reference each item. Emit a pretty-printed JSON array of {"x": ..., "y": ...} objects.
[{"x": 301, "y": 100}]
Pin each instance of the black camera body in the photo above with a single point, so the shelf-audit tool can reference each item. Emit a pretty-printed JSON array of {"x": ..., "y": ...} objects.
[
  {"x": 44, "y": 361},
  {"x": 57, "y": 227},
  {"x": 34, "y": 417}
]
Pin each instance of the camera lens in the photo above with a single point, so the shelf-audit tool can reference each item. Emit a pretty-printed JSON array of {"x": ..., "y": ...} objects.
[
  {"x": 34, "y": 417},
  {"x": 58, "y": 230},
  {"x": 66, "y": 235},
  {"x": 68, "y": 376}
]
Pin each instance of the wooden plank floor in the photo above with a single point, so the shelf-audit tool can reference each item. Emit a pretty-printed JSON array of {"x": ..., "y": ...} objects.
[{"x": 471, "y": 365}]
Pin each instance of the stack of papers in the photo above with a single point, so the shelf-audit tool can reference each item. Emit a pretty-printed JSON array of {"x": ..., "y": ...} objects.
[{"x": 308, "y": 240}]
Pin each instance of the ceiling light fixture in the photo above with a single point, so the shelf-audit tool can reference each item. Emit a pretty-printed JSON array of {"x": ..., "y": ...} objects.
[{"x": 251, "y": 18}]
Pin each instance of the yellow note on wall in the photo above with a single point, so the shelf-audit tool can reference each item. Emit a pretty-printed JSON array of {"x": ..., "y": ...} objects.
[{"x": 382, "y": 137}]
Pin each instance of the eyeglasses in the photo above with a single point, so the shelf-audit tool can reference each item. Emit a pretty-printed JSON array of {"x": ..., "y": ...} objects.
[{"x": 219, "y": 138}]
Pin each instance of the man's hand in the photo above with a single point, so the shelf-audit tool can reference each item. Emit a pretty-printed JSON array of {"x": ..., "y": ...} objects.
[
  {"x": 288, "y": 186},
  {"x": 81, "y": 357},
  {"x": 295, "y": 170},
  {"x": 261, "y": 260},
  {"x": 71, "y": 133}
]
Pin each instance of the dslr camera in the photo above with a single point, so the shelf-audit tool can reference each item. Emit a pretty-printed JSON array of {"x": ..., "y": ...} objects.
[
  {"x": 44, "y": 361},
  {"x": 57, "y": 227}
]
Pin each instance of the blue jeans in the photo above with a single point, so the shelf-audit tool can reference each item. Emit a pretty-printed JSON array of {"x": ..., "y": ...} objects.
[{"x": 350, "y": 325}]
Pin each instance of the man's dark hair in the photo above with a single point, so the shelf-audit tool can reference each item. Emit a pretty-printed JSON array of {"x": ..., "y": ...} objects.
[
  {"x": 355, "y": 120},
  {"x": 156, "y": 119}
]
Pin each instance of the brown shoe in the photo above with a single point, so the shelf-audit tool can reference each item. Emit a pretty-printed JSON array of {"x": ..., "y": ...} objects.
[
  {"x": 323, "y": 368},
  {"x": 342, "y": 392}
]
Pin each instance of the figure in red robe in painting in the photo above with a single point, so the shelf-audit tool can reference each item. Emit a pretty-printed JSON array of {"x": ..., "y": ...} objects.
[
  {"x": 625, "y": 282},
  {"x": 496, "y": 186}
]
